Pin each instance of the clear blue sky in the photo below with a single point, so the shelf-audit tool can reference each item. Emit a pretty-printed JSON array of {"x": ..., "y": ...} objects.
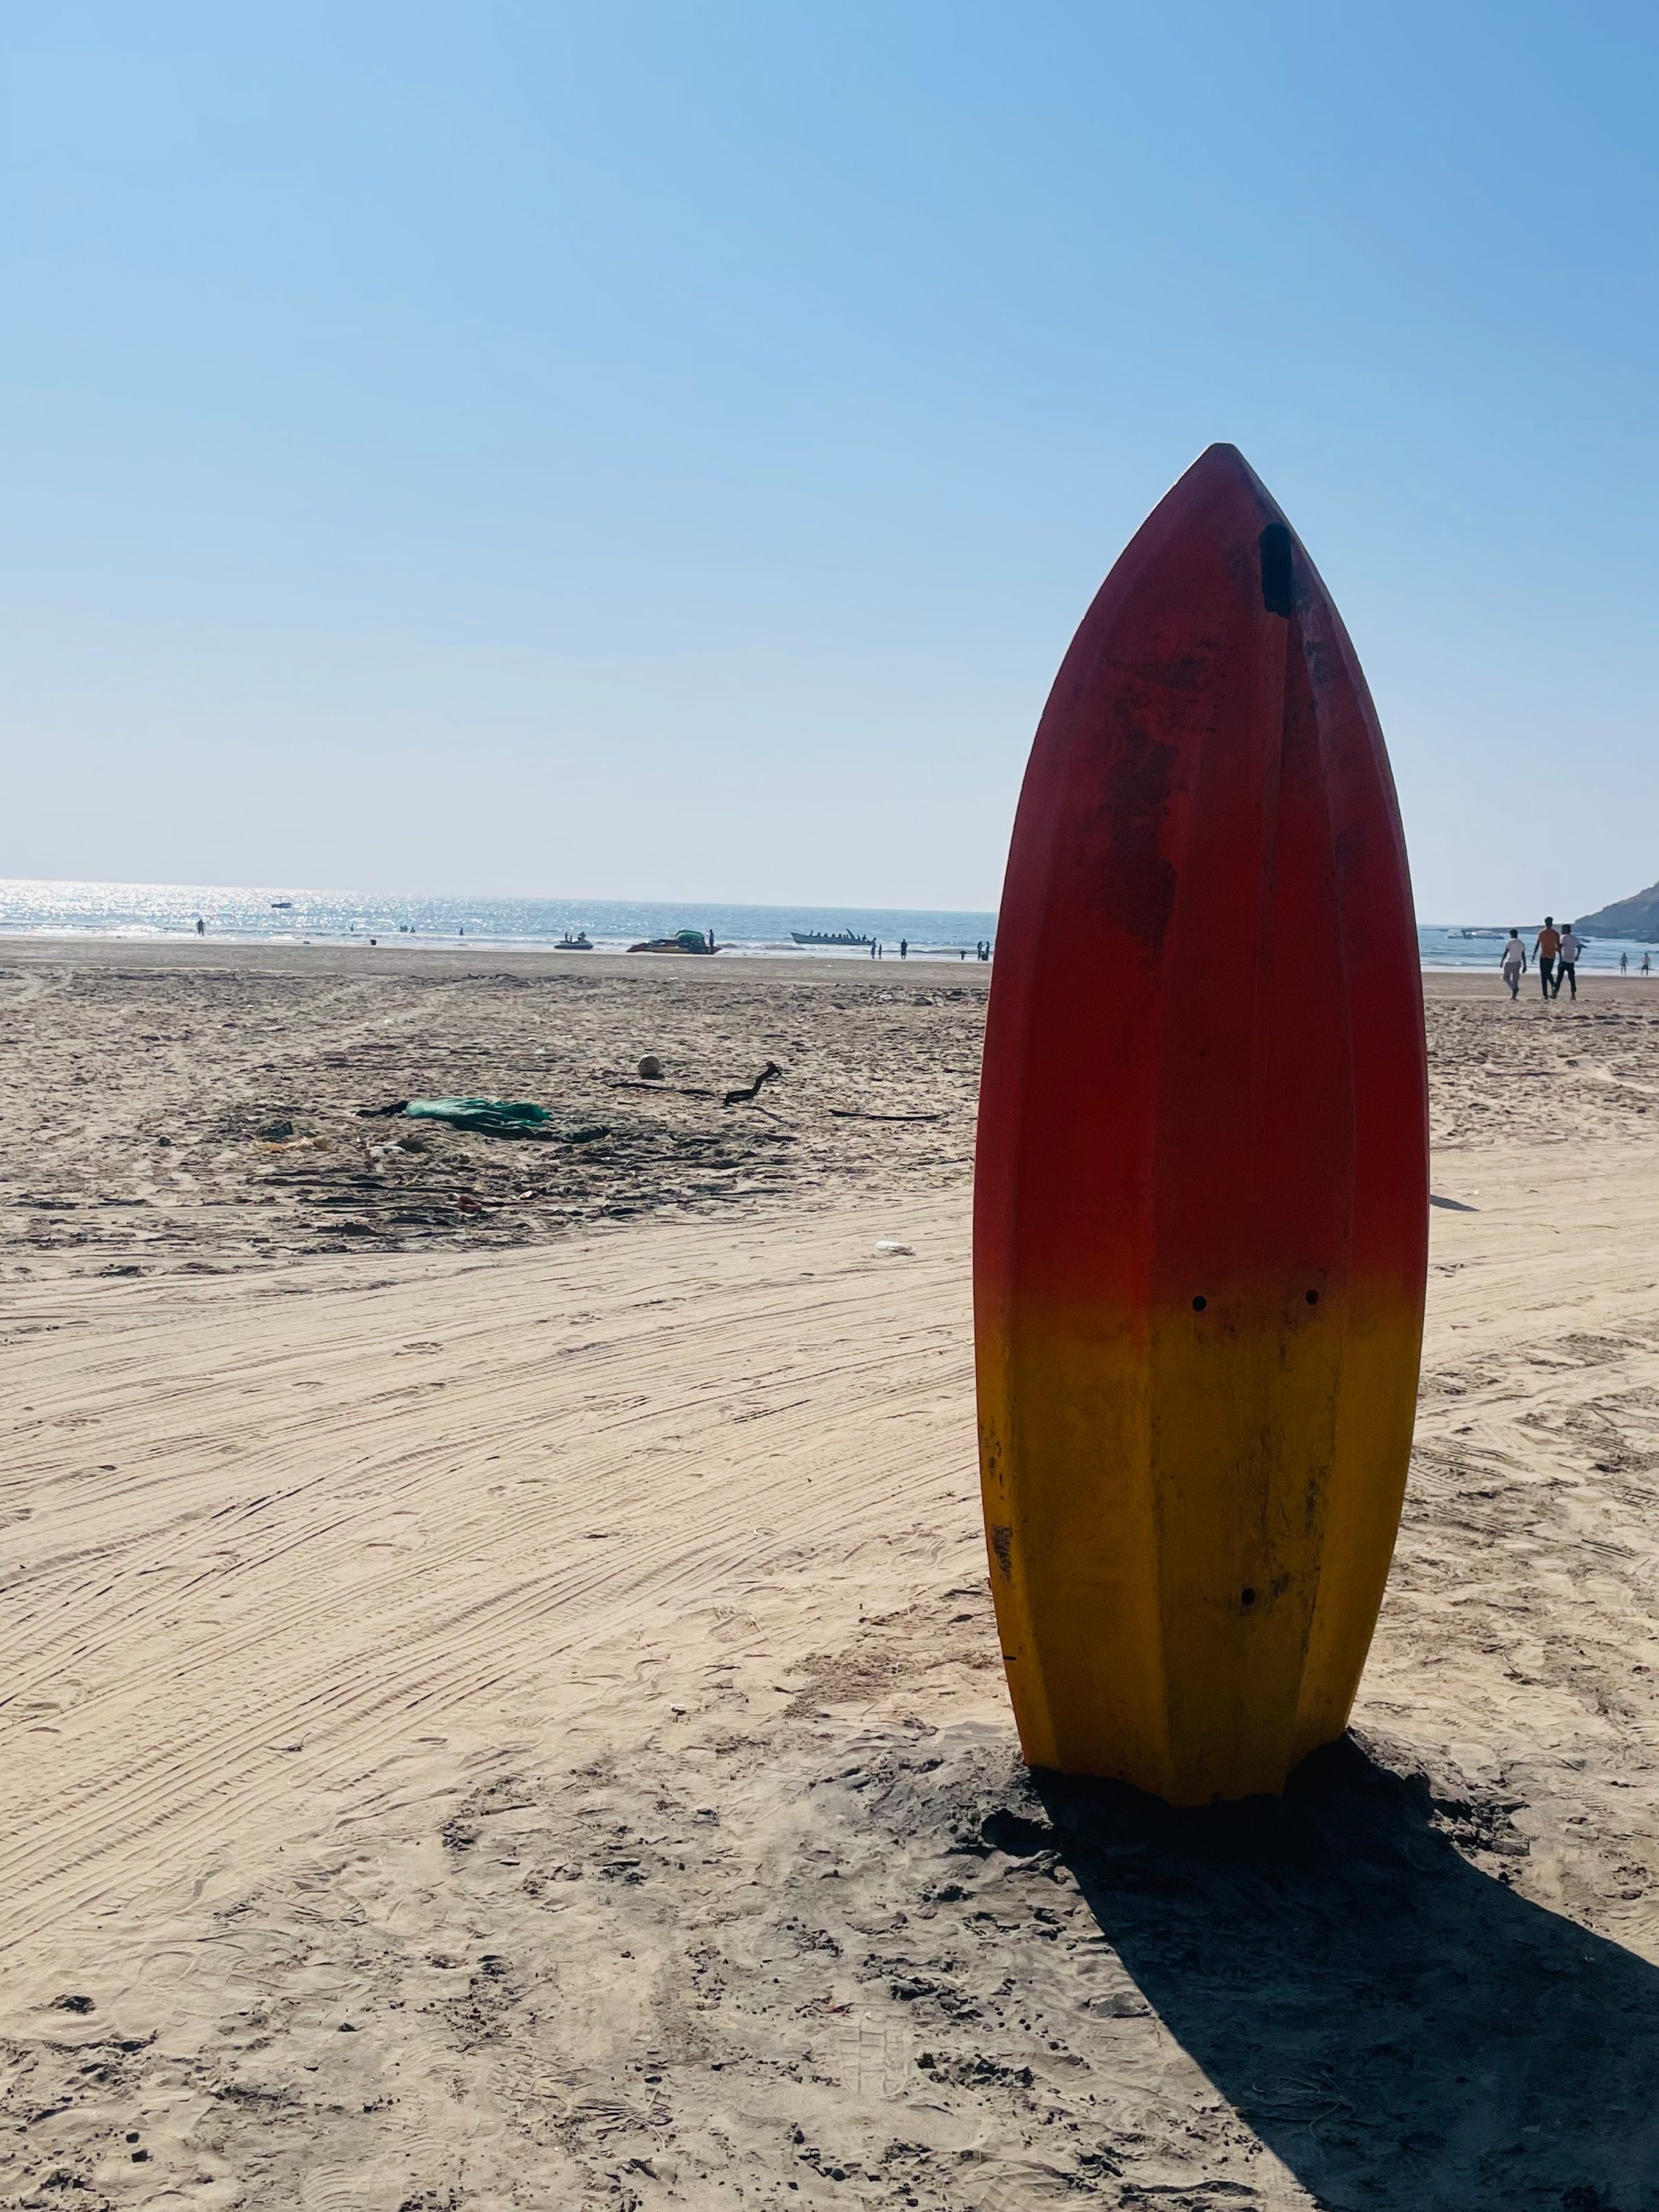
[{"x": 662, "y": 450}]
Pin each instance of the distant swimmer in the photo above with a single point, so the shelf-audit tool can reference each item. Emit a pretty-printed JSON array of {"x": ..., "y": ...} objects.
[
  {"x": 201, "y": 926},
  {"x": 1514, "y": 962},
  {"x": 1546, "y": 945},
  {"x": 1566, "y": 963},
  {"x": 904, "y": 948}
]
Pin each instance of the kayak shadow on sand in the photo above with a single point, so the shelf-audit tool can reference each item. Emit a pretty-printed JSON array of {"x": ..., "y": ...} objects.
[{"x": 1400, "y": 2028}]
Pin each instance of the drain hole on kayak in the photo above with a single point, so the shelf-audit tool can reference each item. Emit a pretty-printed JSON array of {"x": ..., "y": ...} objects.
[
  {"x": 1247, "y": 1597},
  {"x": 1199, "y": 1304},
  {"x": 1313, "y": 1297},
  {"x": 1276, "y": 579}
]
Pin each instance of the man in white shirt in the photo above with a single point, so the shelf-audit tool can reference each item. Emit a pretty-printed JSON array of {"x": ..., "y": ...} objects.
[
  {"x": 1514, "y": 962},
  {"x": 1566, "y": 962}
]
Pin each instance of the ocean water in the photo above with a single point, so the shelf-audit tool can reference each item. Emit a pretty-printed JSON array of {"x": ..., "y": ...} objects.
[
  {"x": 270, "y": 914},
  {"x": 251, "y": 914}
]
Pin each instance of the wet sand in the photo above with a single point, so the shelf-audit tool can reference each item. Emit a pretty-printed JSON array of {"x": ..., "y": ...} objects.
[{"x": 501, "y": 1706}]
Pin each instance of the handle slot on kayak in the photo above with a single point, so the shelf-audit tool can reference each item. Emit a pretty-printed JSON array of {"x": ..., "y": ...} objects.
[{"x": 1278, "y": 582}]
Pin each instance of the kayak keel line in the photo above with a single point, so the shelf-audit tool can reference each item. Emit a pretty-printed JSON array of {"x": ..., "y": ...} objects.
[{"x": 1201, "y": 1189}]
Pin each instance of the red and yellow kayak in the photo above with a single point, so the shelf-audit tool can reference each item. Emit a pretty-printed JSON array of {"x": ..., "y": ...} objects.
[{"x": 1201, "y": 1199}]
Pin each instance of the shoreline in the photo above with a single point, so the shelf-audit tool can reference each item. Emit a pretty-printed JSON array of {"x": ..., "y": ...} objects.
[
  {"x": 87, "y": 945},
  {"x": 25, "y": 943},
  {"x": 481, "y": 957},
  {"x": 837, "y": 964},
  {"x": 734, "y": 950}
]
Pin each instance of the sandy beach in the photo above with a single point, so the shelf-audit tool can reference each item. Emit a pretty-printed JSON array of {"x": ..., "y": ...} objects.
[{"x": 501, "y": 1697}]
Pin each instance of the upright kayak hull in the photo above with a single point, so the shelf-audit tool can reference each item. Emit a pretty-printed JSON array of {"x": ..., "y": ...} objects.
[{"x": 1201, "y": 1193}]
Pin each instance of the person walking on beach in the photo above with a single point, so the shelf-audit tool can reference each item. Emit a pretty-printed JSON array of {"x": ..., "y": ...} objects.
[
  {"x": 1623, "y": 963},
  {"x": 1647, "y": 964},
  {"x": 1514, "y": 962},
  {"x": 1546, "y": 945},
  {"x": 1566, "y": 963},
  {"x": 904, "y": 948}
]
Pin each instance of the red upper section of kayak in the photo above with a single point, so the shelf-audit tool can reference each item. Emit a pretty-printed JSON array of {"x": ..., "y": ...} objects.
[{"x": 1204, "y": 1050}]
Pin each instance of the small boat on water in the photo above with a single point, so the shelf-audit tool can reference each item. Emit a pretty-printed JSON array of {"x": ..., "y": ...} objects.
[
  {"x": 1477, "y": 933},
  {"x": 829, "y": 937},
  {"x": 683, "y": 940},
  {"x": 581, "y": 942},
  {"x": 282, "y": 906}
]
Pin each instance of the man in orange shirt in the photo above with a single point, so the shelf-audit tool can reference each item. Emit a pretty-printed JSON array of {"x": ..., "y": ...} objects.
[{"x": 1546, "y": 945}]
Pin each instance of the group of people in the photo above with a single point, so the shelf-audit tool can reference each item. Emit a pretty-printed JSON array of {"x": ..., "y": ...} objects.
[
  {"x": 1557, "y": 952},
  {"x": 981, "y": 950}
]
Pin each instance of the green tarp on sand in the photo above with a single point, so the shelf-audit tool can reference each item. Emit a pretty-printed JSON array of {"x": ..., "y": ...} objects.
[{"x": 492, "y": 1117}]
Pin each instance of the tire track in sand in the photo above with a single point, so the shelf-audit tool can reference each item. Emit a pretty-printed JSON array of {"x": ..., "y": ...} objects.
[{"x": 241, "y": 1588}]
